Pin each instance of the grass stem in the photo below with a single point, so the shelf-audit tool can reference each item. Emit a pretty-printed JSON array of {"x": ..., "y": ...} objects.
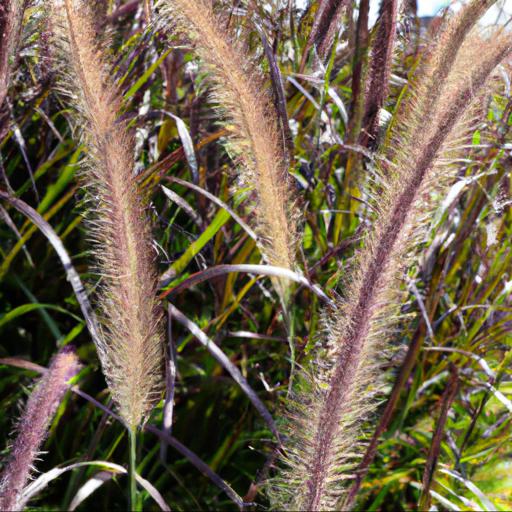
[{"x": 132, "y": 435}]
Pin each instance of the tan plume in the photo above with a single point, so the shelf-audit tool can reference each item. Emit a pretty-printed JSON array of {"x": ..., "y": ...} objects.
[
  {"x": 131, "y": 346},
  {"x": 238, "y": 88}
]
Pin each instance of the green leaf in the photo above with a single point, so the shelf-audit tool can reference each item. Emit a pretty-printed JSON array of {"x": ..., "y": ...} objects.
[
  {"x": 144, "y": 78},
  {"x": 53, "y": 190},
  {"x": 194, "y": 248},
  {"x": 27, "y": 308}
]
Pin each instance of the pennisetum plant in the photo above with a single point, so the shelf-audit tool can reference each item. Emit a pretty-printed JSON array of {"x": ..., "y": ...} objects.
[
  {"x": 255, "y": 142},
  {"x": 335, "y": 392},
  {"x": 239, "y": 89},
  {"x": 379, "y": 71},
  {"x": 33, "y": 426},
  {"x": 131, "y": 343},
  {"x": 334, "y": 396}
]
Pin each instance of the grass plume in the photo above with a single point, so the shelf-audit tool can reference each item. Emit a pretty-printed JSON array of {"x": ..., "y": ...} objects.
[
  {"x": 33, "y": 426},
  {"x": 11, "y": 17},
  {"x": 334, "y": 396},
  {"x": 238, "y": 87},
  {"x": 324, "y": 28},
  {"x": 131, "y": 348},
  {"x": 380, "y": 70}
]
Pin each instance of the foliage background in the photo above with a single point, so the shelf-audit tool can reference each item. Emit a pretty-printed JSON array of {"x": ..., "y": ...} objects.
[{"x": 458, "y": 314}]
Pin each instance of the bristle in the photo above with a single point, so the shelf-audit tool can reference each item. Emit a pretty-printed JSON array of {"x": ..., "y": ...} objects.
[
  {"x": 324, "y": 27},
  {"x": 131, "y": 348},
  {"x": 238, "y": 88},
  {"x": 33, "y": 426},
  {"x": 11, "y": 16},
  {"x": 336, "y": 395},
  {"x": 380, "y": 70}
]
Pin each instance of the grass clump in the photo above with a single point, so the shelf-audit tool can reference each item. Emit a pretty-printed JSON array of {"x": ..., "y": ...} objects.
[{"x": 158, "y": 152}]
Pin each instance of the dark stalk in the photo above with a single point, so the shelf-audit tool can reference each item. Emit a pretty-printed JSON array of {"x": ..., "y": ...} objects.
[
  {"x": 357, "y": 110},
  {"x": 278, "y": 95},
  {"x": 435, "y": 448}
]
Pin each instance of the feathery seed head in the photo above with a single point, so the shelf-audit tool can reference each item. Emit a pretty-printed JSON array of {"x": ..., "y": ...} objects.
[
  {"x": 335, "y": 395},
  {"x": 33, "y": 425},
  {"x": 131, "y": 348},
  {"x": 238, "y": 89}
]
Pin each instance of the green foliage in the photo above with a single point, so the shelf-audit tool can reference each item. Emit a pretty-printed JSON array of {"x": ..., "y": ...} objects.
[{"x": 459, "y": 313}]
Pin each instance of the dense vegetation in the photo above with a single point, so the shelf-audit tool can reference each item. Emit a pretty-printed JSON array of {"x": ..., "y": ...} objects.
[{"x": 269, "y": 249}]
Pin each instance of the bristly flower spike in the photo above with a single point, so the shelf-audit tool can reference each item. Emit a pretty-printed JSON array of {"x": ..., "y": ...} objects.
[
  {"x": 33, "y": 427},
  {"x": 239, "y": 90},
  {"x": 335, "y": 395},
  {"x": 131, "y": 344}
]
